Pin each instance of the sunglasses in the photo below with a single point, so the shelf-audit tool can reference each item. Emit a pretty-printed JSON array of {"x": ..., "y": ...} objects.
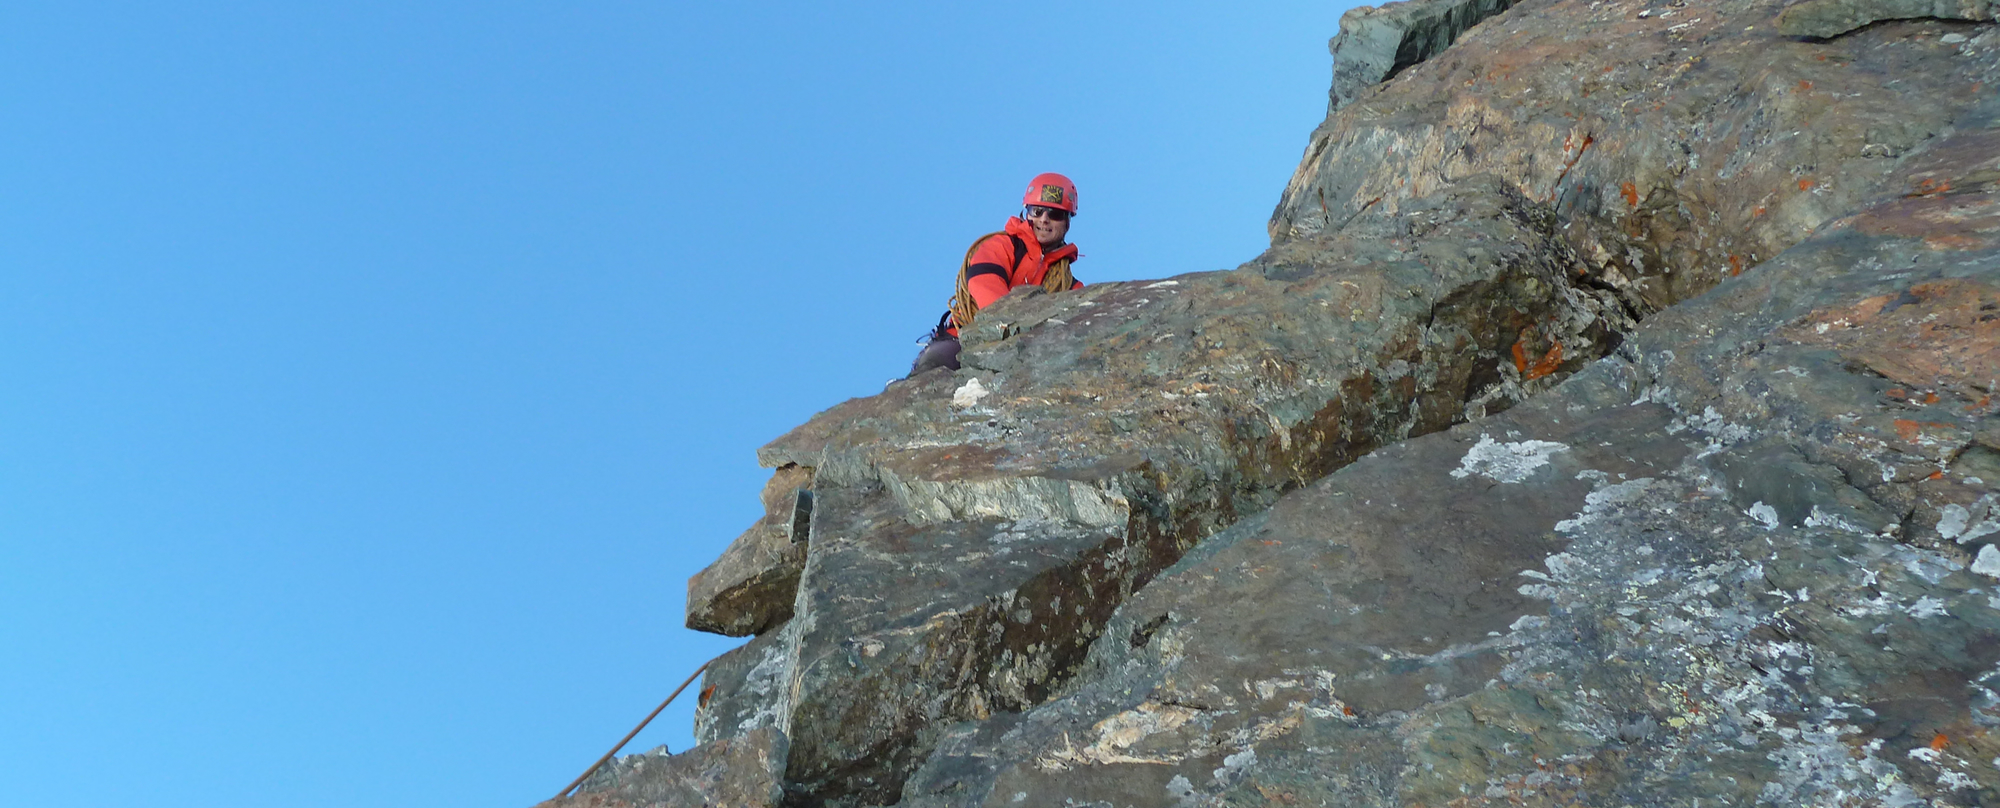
[{"x": 1040, "y": 212}]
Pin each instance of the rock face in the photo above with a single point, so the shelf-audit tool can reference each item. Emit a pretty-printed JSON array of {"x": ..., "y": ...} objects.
[
  {"x": 972, "y": 534},
  {"x": 1734, "y": 562},
  {"x": 1830, "y": 18},
  {"x": 1610, "y": 422},
  {"x": 1377, "y": 43},
  {"x": 736, "y": 772},
  {"x": 750, "y": 588}
]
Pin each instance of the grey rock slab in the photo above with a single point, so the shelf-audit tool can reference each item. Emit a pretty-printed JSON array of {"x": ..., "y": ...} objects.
[
  {"x": 909, "y": 627},
  {"x": 743, "y": 689}
]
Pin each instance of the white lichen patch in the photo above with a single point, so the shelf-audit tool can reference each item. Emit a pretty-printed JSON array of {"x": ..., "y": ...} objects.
[
  {"x": 1537, "y": 591},
  {"x": 1764, "y": 514},
  {"x": 1606, "y": 499},
  {"x": 1928, "y": 607},
  {"x": 1820, "y": 518},
  {"x": 1233, "y": 766},
  {"x": 1961, "y": 524},
  {"x": 1707, "y": 595},
  {"x": 1926, "y": 564},
  {"x": 1818, "y": 766},
  {"x": 1720, "y": 432},
  {"x": 1506, "y": 462},
  {"x": 1951, "y": 769},
  {"x": 969, "y": 394},
  {"x": 1988, "y": 562}
]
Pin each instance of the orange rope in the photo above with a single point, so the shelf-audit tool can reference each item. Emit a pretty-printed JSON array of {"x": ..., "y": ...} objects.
[{"x": 964, "y": 308}]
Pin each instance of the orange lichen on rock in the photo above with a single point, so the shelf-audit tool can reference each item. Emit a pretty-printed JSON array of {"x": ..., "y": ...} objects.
[
  {"x": 1735, "y": 264},
  {"x": 1806, "y": 183},
  {"x": 1544, "y": 366},
  {"x": 1907, "y": 429},
  {"x": 1941, "y": 336},
  {"x": 1930, "y": 186},
  {"x": 1911, "y": 431},
  {"x": 1941, "y": 206},
  {"x": 1631, "y": 193},
  {"x": 1939, "y": 742}
]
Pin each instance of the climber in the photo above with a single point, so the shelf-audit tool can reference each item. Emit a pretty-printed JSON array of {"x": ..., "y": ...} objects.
[{"x": 1030, "y": 251}]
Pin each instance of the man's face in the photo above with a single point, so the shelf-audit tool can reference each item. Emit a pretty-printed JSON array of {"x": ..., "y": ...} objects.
[{"x": 1051, "y": 225}]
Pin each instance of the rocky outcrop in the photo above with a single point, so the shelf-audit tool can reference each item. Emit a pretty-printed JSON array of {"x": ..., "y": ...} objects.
[
  {"x": 1680, "y": 143},
  {"x": 1376, "y": 43},
  {"x": 971, "y": 534},
  {"x": 1609, "y": 421},
  {"x": 749, "y": 589},
  {"x": 1735, "y": 562},
  {"x": 737, "y": 772}
]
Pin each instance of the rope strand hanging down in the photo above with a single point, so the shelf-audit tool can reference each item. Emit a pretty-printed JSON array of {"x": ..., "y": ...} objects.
[{"x": 629, "y": 735}]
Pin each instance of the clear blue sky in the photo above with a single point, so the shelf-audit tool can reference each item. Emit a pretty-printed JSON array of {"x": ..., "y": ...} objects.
[{"x": 374, "y": 375}]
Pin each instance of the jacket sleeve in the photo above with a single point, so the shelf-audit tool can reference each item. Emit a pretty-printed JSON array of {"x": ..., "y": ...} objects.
[{"x": 987, "y": 277}]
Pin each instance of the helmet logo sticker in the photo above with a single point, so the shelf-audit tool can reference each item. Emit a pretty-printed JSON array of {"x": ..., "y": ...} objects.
[{"x": 1052, "y": 194}]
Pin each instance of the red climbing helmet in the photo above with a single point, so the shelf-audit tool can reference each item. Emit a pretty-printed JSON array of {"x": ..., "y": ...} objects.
[{"x": 1051, "y": 191}]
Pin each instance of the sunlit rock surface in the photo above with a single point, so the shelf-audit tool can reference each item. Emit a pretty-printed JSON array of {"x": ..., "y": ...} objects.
[
  {"x": 1738, "y": 562},
  {"x": 1609, "y": 423},
  {"x": 737, "y": 772}
]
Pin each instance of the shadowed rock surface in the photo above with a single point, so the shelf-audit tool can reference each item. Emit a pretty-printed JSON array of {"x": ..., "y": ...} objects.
[
  {"x": 1831, "y": 18},
  {"x": 1610, "y": 422}
]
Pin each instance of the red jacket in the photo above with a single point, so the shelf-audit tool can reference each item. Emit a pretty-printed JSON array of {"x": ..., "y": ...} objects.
[{"x": 987, "y": 274}]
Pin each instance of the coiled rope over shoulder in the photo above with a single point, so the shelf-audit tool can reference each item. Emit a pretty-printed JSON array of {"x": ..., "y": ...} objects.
[{"x": 964, "y": 308}]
